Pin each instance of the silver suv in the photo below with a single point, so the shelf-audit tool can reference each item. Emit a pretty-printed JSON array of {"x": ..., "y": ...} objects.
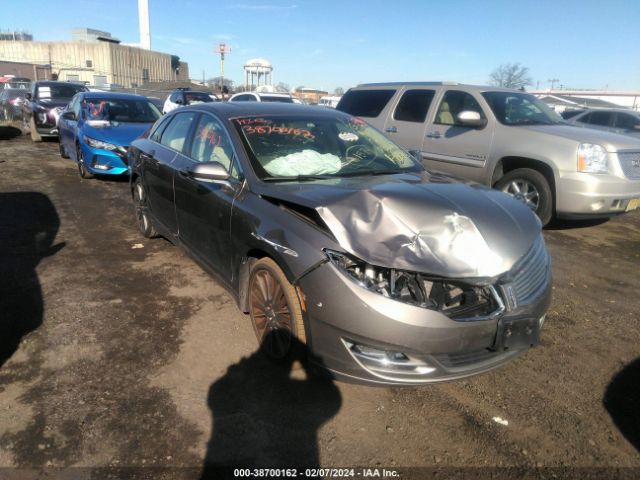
[{"x": 509, "y": 140}]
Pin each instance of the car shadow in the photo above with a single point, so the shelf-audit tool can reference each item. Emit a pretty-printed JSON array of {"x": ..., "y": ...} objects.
[
  {"x": 7, "y": 132},
  {"x": 575, "y": 224},
  {"x": 29, "y": 223},
  {"x": 622, "y": 401},
  {"x": 267, "y": 414}
]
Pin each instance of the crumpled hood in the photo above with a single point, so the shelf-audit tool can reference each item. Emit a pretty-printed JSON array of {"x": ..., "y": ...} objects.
[
  {"x": 612, "y": 142},
  {"x": 421, "y": 222},
  {"x": 118, "y": 133}
]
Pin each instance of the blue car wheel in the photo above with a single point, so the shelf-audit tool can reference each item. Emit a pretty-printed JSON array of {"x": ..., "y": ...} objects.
[{"x": 82, "y": 168}]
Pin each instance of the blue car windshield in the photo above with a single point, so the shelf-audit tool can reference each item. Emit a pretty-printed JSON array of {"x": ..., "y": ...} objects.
[{"x": 120, "y": 110}]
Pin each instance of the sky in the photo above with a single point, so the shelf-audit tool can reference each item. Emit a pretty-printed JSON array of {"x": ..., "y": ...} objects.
[{"x": 327, "y": 44}]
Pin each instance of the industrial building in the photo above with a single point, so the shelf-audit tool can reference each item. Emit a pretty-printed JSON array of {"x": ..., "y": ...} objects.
[{"x": 97, "y": 62}]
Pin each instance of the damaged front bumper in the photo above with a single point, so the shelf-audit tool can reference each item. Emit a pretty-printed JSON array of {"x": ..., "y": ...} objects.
[{"x": 361, "y": 335}]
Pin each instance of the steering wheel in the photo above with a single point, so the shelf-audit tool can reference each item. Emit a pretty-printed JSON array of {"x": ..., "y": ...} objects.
[{"x": 362, "y": 153}]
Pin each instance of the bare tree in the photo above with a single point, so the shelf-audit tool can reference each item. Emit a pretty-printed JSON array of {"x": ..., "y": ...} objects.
[
  {"x": 282, "y": 87},
  {"x": 510, "y": 75}
]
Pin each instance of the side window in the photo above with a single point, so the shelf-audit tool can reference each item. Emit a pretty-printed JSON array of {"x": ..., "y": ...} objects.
[
  {"x": 585, "y": 118},
  {"x": 159, "y": 127},
  {"x": 244, "y": 98},
  {"x": 175, "y": 135},
  {"x": 211, "y": 142},
  {"x": 600, "y": 118},
  {"x": 365, "y": 103},
  {"x": 626, "y": 121},
  {"x": 454, "y": 102},
  {"x": 174, "y": 96},
  {"x": 414, "y": 105},
  {"x": 75, "y": 106}
]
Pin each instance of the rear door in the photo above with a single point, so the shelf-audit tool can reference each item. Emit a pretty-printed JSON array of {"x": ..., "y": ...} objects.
[
  {"x": 158, "y": 169},
  {"x": 406, "y": 125},
  {"x": 454, "y": 148},
  {"x": 626, "y": 123}
]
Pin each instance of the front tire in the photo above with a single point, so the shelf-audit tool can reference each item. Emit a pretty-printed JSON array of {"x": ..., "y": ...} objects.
[
  {"x": 275, "y": 311},
  {"x": 530, "y": 187},
  {"x": 142, "y": 210},
  {"x": 82, "y": 167}
]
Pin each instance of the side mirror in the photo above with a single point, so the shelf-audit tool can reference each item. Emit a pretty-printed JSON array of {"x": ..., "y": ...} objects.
[
  {"x": 209, "y": 172},
  {"x": 416, "y": 154},
  {"x": 27, "y": 96},
  {"x": 69, "y": 115},
  {"x": 468, "y": 118}
]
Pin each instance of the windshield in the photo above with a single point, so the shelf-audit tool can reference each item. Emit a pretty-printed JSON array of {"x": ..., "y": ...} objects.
[
  {"x": 59, "y": 92},
  {"x": 120, "y": 110},
  {"x": 298, "y": 148},
  {"x": 512, "y": 108}
]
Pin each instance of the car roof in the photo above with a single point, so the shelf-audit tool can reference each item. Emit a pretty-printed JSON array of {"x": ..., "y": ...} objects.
[
  {"x": 113, "y": 95},
  {"x": 436, "y": 84},
  {"x": 55, "y": 82},
  {"x": 619, "y": 110},
  {"x": 244, "y": 109}
]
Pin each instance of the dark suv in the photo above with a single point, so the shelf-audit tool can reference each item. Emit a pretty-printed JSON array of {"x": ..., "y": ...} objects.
[{"x": 43, "y": 105}]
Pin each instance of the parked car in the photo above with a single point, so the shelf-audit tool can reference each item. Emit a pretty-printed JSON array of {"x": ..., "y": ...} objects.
[
  {"x": 325, "y": 230},
  {"x": 567, "y": 114},
  {"x": 262, "y": 97},
  {"x": 182, "y": 97},
  {"x": 509, "y": 140},
  {"x": 626, "y": 122},
  {"x": 44, "y": 102},
  {"x": 11, "y": 100},
  {"x": 96, "y": 129},
  {"x": 329, "y": 101}
]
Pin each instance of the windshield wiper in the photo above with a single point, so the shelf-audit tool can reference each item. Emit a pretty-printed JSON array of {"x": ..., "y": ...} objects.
[
  {"x": 297, "y": 178},
  {"x": 367, "y": 173}
]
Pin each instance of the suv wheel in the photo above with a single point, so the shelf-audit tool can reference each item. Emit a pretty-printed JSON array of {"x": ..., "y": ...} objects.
[{"x": 530, "y": 187}]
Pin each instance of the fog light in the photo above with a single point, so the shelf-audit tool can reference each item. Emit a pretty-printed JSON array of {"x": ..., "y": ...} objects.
[
  {"x": 595, "y": 206},
  {"x": 389, "y": 364},
  {"x": 100, "y": 166}
]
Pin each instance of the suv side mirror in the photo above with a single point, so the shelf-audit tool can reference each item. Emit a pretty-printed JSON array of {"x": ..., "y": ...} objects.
[
  {"x": 469, "y": 118},
  {"x": 69, "y": 115},
  {"x": 27, "y": 96}
]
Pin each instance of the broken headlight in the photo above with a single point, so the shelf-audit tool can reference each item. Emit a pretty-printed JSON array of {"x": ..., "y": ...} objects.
[{"x": 455, "y": 299}]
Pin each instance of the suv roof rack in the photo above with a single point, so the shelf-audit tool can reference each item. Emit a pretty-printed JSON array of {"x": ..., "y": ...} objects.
[{"x": 396, "y": 84}]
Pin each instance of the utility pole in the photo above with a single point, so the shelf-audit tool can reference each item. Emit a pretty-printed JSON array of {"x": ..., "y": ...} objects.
[
  {"x": 222, "y": 49},
  {"x": 553, "y": 82}
]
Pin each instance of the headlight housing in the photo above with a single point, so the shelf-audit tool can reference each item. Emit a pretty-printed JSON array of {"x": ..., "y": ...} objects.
[
  {"x": 455, "y": 299},
  {"x": 592, "y": 158},
  {"x": 92, "y": 142}
]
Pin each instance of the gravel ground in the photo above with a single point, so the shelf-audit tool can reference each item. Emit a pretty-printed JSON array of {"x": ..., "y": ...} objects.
[{"x": 120, "y": 357}]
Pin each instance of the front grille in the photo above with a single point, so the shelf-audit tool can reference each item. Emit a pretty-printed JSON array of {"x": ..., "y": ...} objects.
[
  {"x": 630, "y": 164},
  {"x": 460, "y": 360},
  {"x": 531, "y": 273}
]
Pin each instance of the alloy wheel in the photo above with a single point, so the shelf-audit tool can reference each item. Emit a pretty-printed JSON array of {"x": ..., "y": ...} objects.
[
  {"x": 270, "y": 314},
  {"x": 524, "y": 191},
  {"x": 140, "y": 202}
]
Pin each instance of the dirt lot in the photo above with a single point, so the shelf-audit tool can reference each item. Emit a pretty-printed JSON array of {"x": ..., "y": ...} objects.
[{"x": 120, "y": 352}]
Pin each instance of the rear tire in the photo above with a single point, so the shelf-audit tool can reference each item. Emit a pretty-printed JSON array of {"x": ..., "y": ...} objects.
[
  {"x": 275, "y": 312},
  {"x": 35, "y": 136},
  {"x": 530, "y": 187},
  {"x": 63, "y": 152},
  {"x": 145, "y": 225}
]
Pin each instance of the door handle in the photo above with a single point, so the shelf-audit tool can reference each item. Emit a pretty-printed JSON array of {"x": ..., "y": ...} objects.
[
  {"x": 434, "y": 134},
  {"x": 391, "y": 129}
]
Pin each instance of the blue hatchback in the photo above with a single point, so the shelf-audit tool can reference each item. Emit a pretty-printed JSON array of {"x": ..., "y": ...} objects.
[{"x": 96, "y": 129}]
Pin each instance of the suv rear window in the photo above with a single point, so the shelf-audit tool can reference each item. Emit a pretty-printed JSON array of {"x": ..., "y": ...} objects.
[
  {"x": 413, "y": 105},
  {"x": 365, "y": 103}
]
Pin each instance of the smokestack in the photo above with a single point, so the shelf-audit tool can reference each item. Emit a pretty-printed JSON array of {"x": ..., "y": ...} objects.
[{"x": 145, "y": 31}]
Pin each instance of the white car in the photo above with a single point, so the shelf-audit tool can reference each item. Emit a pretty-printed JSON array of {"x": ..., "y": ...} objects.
[
  {"x": 181, "y": 97},
  {"x": 262, "y": 97}
]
